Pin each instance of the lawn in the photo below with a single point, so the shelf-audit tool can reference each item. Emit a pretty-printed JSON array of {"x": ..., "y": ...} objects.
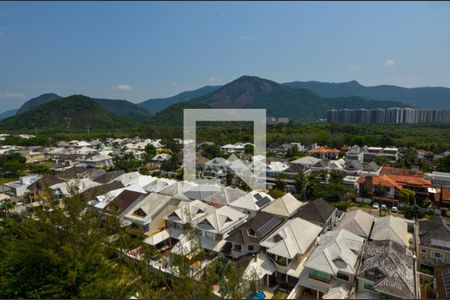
[
  {"x": 7, "y": 179},
  {"x": 279, "y": 295}
]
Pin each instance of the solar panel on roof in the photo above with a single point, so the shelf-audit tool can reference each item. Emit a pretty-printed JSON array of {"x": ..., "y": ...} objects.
[
  {"x": 268, "y": 227},
  {"x": 258, "y": 197},
  {"x": 446, "y": 281},
  {"x": 264, "y": 201}
]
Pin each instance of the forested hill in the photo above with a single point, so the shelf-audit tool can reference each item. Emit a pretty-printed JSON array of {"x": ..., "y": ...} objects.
[{"x": 72, "y": 113}]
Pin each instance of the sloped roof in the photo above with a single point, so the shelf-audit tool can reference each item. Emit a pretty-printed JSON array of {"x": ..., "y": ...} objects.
[
  {"x": 178, "y": 187},
  {"x": 317, "y": 211},
  {"x": 338, "y": 250},
  {"x": 221, "y": 219},
  {"x": 390, "y": 228},
  {"x": 108, "y": 176},
  {"x": 292, "y": 238},
  {"x": 435, "y": 229},
  {"x": 391, "y": 267},
  {"x": 259, "y": 267},
  {"x": 284, "y": 206},
  {"x": 225, "y": 196},
  {"x": 93, "y": 192},
  {"x": 202, "y": 191},
  {"x": 306, "y": 160},
  {"x": 246, "y": 233},
  {"x": 358, "y": 222},
  {"x": 249, "y": 201},
  {"x": 149, "y": 205},
  {"x": 158, "y": 184},
  {"x": 124, "y": 200},
  {"x": 190, "y": 212}
]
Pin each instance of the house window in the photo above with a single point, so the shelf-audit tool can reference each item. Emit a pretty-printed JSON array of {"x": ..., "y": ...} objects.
[
  {"x": 438, "y": 256},
  {"x": 343, "y": 276},
  {"x": 368, "y": 285},
  {"x": 237, "y": 248},
  {"x": 210, "y": 235},
  {"x": 250, "y": 248},
  {"x": 317, "y": 275},
  {"x": 423, "y": 250}
]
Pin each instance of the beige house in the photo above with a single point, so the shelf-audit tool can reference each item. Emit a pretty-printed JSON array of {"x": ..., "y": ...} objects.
[{"x": 433, "y": 239}]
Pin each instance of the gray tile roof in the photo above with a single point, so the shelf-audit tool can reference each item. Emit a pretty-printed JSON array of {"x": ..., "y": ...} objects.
[
  {"x": 391, "y": 267},
  {"x": 435, "y": 229},
  {"x": 317, "y": 211}
]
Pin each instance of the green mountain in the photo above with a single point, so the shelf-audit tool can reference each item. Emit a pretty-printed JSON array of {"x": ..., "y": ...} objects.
[
  {"x": 124, "y": 108},
  {"x": 158, "y": 104},
  {"x": 44, "y": 98},
  {"x": 72, "y": 113},
  {"x": 172, "y": 115},
  {"x": 8, "y": 113},
  {"x": 118, "y": 107},
  {"x": 425, "y": 97},
  {"x": 282, "y": 101}
]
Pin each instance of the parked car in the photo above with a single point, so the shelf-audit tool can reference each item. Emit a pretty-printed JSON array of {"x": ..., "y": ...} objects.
[
  {"x": 394, "y": 209},
  {"x": 383, "y": 206},
  {"x": 376, "y": 205}
]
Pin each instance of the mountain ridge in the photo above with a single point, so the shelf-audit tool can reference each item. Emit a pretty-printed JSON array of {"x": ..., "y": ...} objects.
[
  {"x": 421, "y": 97},
  {"x": 75, "y": 112}
]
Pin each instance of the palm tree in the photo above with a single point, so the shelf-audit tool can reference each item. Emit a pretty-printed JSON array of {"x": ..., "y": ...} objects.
[{"x": 7, "y": 205}]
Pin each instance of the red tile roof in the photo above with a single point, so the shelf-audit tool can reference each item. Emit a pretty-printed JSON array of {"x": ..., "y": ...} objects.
[{"x": 324, "y": 150}]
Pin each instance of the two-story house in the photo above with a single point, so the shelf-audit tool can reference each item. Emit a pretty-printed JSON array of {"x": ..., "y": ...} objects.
[{"x": 334, "y": 263}]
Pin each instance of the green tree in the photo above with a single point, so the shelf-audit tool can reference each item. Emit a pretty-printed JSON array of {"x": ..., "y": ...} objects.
[
  {"x": 248, "y": 149},
  {"x": 444, "y": 164},
  {"x": 407, "y": 196},
  {"x": 211, "y": 151},
  {"x": 301, "y": 183},
  {"x": 381, "y": 161},
  {"x": 280, "y": 184},
  {"x": 150, "y": 152},
  {"x": 62, "y": 254}
]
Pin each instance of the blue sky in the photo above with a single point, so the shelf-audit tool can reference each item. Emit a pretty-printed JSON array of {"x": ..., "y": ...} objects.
[{"x": 143, "y": 50}]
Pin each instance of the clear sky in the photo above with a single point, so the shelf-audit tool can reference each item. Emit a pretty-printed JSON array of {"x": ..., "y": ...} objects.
[{"x": 142, "y": 50}]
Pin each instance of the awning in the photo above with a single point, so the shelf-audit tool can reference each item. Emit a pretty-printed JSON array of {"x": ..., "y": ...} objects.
[
  {"x": 157, "y": 238},
  {"x": 259, "y": 267}
]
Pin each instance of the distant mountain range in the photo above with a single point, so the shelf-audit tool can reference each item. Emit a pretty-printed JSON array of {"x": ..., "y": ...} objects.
[
  {"x": 280, "y": 100},
  {"x": 122, "y": 108},
  {"x": 420, "y": 97},
  {"x": 158, "y": 104},
  {"x": 7, "y": 114},
  {"x": 301, "y": 101},
  {"x": 72, "y": 113}
]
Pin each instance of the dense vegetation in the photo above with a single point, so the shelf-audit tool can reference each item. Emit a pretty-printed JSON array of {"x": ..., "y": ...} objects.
[
  {"x": 72, "y": 113},
  {"x": 158, "y": 104},
  {"x": 68, "y": 251}
]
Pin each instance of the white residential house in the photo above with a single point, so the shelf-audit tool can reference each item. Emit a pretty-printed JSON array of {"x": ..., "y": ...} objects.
[
  {"x": 306, "y": 161},
  {"x": 99, "y": 161},
  {"x": 187, "y": 213},
  {"x": 236, "y": 148},
  {"x": 148, "y": 214},
  {"x": 20, "y": 187},
  {"x": 289, "y": 246},
  {"x": 252, "y": 202},
  {"x": 391, "y": 228},
  {"x": 333, "y": 263},
  {"x": 159, "y": 158},
  {"x": 215, "y": 227},
  {"x": 358, "y": 222},
  {"x": 284, "y": 206}
]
